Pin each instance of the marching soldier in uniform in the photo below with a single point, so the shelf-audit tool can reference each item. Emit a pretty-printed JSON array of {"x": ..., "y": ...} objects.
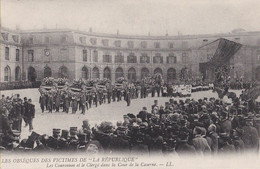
[
  {"x": 83, "y": 103},
  {"x": 42, "y": 101},
  {"x": 57, "y": 101}
]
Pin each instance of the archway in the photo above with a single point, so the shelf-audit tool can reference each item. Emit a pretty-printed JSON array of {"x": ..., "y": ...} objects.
[
  {"x": 144, "y": 72},
  {"x": 84, "y": 73},
  {"x": 7, "y": 74},
  {"x": 171, "y": 75},
  {"x": 95, "y": 73},
  {"x": 47, "y": 72},
  {"x": 132, "y": 75},
  {"x": 257, "y": 75},
  {"x": 107, "y": 73},
  {"x": 158, "y": 71},
  {"x": 63, "y": 72},
  {"x": 32, "y": 74},
  {"x": 17, "y": 73},
  {"x": 119, "y": 73}
]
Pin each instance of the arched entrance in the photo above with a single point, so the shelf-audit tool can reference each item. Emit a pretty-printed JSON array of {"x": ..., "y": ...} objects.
[
  {"x": 47, "y": 72},
  {"x": 95, "y": 73},
  {"x": 7, "y": 74},
  {"x": 32, "y": 74},
  {"x": 171, "y": 75},
  {"x": 257, "y": 74},
  {"x": 17, "y": 73},
  {"x": 63, "y": 72},
  {"x": 107, "y": 73},
  {"x": 144, "y": 72},
  {"x": 158, "y": 71},
  {"x": 119, "y": 73},
  {"x": 132, "y": 75},
  {"x": 84, "y": 73}
]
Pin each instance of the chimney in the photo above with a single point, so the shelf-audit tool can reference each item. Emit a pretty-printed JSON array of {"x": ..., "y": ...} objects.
[
  {"x": 149, "y": 34},
  {"x": 17, "y": 27},
  {"x": 117, "y": 32},
  {"x": 90, "y": 30}
]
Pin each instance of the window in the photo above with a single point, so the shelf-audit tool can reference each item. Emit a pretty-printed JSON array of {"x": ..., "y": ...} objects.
[
  {"x": 64, "y": 54},
  {"x": 258, "y": 55},
  {"x": 7, "y": 53},
  {"x": 93, "y": 41},
  {"x": 130, "y": 44},
  {"x": 17, "y": 54},
  {"x": 157, "y": 44},
  {"x": 171, "y": 58},
  {"x": 64, "y": 39},
  {"x": 157, "y": 58},
  {"x": 144, "y": 44},
  {"x": 185, "y": 44},
  {"x": 119, "y": 58},
  {"x": 184, "y": 57},
  {"x": 107, "y": 58},
  {"x": 170, "y": 45},
  {"x": 30, "y": 40},
  {"x": 105, "y": 42},
  {"x": 82, "y": 40},
  {"x": 47, "y": 39},
  {"x": 95, "y": 56},
  {"x": 7, "y": 74},
  {"x": 85, "y": 55},
  {"x": 118, "y": 43},
  {"x": 6, "y": 36},
  {"x": 131, "y": 58},
  {"x": 30, "y": 56},
  {"x": 144, "y": 58}
]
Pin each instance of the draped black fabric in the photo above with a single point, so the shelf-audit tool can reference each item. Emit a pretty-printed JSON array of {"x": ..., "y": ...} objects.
[{"x": 226, "y": 49}]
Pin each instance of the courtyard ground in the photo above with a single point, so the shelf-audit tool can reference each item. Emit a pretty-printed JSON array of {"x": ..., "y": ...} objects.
[{"x": 43, "y": 123}]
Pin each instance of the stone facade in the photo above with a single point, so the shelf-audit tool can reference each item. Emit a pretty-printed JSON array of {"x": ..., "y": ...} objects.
[{"x": 75, "y": 54}]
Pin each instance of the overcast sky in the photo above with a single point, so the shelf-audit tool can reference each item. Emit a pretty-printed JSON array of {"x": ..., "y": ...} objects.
[{"x": 134, "y": 17}]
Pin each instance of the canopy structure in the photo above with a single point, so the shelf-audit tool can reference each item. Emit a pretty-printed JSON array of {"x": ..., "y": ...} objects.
[{"x": 220, "y": 62}]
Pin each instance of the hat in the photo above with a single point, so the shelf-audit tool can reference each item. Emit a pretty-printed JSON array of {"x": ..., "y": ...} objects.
[
  {"x": 56, "y": 131},
  {"x": 85, "y": 124},
  {"x": 144, "y": 108},
  {"x": 64, "y": 133},
  {"x": 155, "y": 101},
  {"x": 223, "y": 135}
]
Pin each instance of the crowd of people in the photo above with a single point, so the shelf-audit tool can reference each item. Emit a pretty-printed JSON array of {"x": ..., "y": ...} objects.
[{"x": 206, "y": 126}]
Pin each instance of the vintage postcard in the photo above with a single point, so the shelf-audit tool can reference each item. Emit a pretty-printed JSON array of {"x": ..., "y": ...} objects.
[{"x": 130, "y": 84}]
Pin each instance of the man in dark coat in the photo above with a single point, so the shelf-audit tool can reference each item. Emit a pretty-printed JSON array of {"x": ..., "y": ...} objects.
[
  {"x": 128, "y": 98},
  {"x": 30, "y": 114},
  {"x": 50, "y": 103},
  {"x": 250, "y": 136},
  {"x": 182, "y": 147},
  {"x": 42, "y": 101},
  {"x": 83, "y": 103},
  {"x": 57, "y": 101},
  {"x": 25, "y": 111},
  {"x": 119, "y": 142}
]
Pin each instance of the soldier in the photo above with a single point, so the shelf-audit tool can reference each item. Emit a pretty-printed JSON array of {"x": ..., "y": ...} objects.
[
  {"x": 50, "y": 103},
  {"x": 53, "y": 141},
  {"x": 74, "y": 105},
  {"x": 26, "y": 110},
  {"x": 66, "y": 103},
  {"x": 109, "y": 94},
  {"x": 128, "y": 98},
  {"x": 83, "y": 103},
  {"x": 16, "y": 114},
  {"x": 30, "y": 114},
  {"x": 90, "y": 98},
  {"x": 42, "y": 101},
  {"x": 57, "y": 101}
]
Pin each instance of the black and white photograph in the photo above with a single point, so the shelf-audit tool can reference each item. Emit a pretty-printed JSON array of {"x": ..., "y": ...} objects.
[{"x": 129, "y": 84}]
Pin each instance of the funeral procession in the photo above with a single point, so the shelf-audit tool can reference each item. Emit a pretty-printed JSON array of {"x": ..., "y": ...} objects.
[{"x": 64, "y": 89}]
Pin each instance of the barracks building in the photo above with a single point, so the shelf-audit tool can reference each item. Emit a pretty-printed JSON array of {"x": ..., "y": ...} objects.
[{"x": 34, "y": 54}]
